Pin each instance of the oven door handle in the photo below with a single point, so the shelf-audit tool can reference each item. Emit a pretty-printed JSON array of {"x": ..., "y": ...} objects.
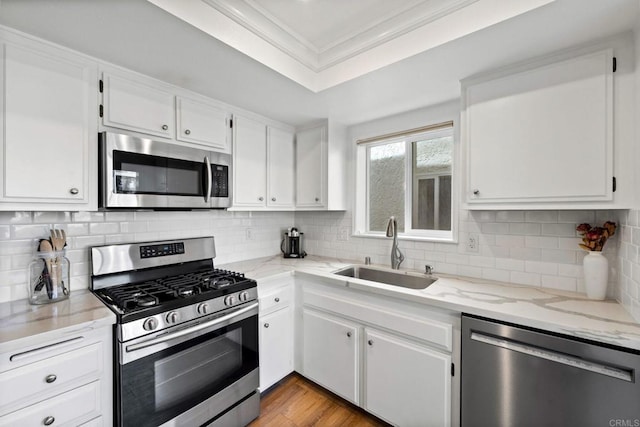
[
  {"x": 207, "y": 166},
  {"x": 187, "y": 331}
]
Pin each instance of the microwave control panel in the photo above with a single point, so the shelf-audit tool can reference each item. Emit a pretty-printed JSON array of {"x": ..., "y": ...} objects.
[{"x": 220, "y": 184}]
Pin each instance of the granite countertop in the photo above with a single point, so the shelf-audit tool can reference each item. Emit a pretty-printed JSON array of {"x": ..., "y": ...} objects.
[
  {"x": 20, "y": 320},
  {"x": 557, "y": 311}
]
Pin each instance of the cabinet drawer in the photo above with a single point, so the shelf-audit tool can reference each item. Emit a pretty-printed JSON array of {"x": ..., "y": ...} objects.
[
  {"x": 275, "y": 300},
  {"x": 70, "y": 408},
  {"x": 50, "y": 375}
]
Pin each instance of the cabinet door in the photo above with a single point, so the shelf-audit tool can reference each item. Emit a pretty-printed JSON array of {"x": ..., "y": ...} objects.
[
  {"x": 311, "y": 158},
  {"x": 138, "y": 106},
  {"x": 202, "y": 124},
  {"x": 276, "y": 347},
  {"x": 405, "y": 383},
  {"x": 281, "y": 168},
  {"x": 330, "y": 353},
  {"x": 50, "y": 132},
  {"x": 250, "y": 162},
  {"x": 541, "y": 135}
]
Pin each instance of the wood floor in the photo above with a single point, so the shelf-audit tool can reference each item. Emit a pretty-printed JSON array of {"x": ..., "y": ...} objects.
[{"x": 296, "y": 402}]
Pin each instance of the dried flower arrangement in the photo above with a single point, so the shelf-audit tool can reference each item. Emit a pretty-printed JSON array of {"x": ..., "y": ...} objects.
[{"x": 594, "y": 238}]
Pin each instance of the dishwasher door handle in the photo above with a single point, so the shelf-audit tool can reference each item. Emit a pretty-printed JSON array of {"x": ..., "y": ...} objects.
[{"x": 554, "y": 356}]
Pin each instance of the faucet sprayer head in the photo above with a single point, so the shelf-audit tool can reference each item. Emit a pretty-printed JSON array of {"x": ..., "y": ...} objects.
[{"x": 391, "y": 227}]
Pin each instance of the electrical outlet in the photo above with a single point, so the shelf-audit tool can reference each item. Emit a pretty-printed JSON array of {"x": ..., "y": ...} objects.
[
  {"x": 343, "y": 233},
  {"x": 472, "y": 242},
  {"x": 249, "y": 234}
]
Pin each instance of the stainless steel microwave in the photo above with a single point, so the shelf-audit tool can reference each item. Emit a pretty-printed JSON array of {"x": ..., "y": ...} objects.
[{"x": 139, "y": 173}]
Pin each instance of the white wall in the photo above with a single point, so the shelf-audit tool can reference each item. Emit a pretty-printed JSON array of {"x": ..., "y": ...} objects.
[{"x": 20, "y": 231}]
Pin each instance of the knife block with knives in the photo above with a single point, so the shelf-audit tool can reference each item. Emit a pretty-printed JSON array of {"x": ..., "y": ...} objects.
[{"x": 49, "y": 271}]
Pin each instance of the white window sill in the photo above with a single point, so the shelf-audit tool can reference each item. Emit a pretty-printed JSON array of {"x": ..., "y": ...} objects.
[{"x": 408, "y": 237}]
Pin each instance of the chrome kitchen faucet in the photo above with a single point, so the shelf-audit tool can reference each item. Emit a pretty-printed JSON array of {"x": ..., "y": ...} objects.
[{"x": 396, "y": 256}]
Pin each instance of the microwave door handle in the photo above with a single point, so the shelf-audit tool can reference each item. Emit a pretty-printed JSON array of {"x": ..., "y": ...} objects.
[{"x": 207, "y": 167}]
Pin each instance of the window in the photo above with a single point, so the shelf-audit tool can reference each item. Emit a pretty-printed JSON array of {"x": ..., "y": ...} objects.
[{"x": 408, "y": 176}]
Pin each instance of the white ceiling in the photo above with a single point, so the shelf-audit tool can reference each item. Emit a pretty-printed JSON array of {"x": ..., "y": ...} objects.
[
  {"x": 322, "y": 43},
  {"x": 143, "y": 37}
]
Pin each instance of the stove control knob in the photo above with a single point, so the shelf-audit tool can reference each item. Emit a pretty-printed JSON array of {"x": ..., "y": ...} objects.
[
  {"x": 244, "y": 296},
  {"x": 172, "y": 317},
  {"x": 203, "y": 308},
  {"x": 229, "y": 300},
  {"x": 150, "y": 324}
]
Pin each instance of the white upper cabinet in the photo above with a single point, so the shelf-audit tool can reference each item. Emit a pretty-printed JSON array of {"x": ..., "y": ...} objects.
[
  {"x": 249, "y": 162},
  {"x": 141, "y": 104},
  {"x": 322, "y": 156},
  {"x": 48, "y": 129},
  {"x": 540, "y": 134},
  {"x": 202, "y": 123},
  {"x": 132, "y": 103},
  {"x": 311, "y": 163},
  {"x": 281, "y": 168},
  {"x": 263, "y": 158}
]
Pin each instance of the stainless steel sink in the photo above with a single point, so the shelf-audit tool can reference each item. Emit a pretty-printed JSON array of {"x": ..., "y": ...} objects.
[{"x": 389, "y": 277}]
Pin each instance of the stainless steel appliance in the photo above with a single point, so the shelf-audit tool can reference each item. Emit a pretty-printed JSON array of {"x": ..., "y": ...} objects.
[
  {"x": 186, "y": 337},
  {"x": 517, "y": 376},
  {"x": 291, "y": 245},
  {"x": 138, "y": 173}
]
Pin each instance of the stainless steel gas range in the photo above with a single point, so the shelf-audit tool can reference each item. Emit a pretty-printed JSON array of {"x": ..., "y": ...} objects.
[{"x": 186, "y": 338}]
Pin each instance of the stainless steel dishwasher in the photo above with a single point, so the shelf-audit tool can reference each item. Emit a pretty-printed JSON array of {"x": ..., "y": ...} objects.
[{"x": 517, "y": 376}]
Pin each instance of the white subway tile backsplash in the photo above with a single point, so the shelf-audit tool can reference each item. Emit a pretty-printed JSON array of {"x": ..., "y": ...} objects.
[
  {"x": 560, "y": 256},
  {"x": 539, "y": 267},
  {"x": 560, "y": 283},
  {"x": 541, "y": 216},
  {"x": 541, "y": 242},
  {"x": 510, "y": 264},
  {"x": 525, "y": 228},
  {"x": 494, "y": 274},
  {"x": 510, "y": 216},
  {"x": 529, "y": 279},
  {"x": 531, "y": 254},
  {"x": 495, "y": 228},
  {"x": 104, "y": 228},
  {"x": 628, "y": 291},
  {"x": 510, "y": 241},
  {"x": 559, "y": 230},
  {"x": 29, "y": 231},
  {"x": 577, "y": 217}
]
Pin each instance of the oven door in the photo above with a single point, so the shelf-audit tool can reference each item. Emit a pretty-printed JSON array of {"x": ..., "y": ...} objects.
[{"x": 166, "y": 377}]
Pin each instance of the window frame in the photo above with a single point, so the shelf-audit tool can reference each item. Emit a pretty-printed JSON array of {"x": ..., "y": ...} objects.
[{"x": 361, "y": 207}]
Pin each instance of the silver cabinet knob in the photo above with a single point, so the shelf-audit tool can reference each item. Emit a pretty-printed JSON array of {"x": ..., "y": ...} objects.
[
  {"x": 50, "y": 378},
  {"x": 277, "y": 299},
  {"x": 370, "y": 342},
  {"x": 187, "y": 132},
  {"x": 165, "y": 127},
  {"x": 266, "y": 325},
  {"x": 48, "y": 421},
  {"x": 317, "y": 199},
  {"x": 273, "y": 199},
  {"x": 349, "y": 334},
  {"x": 476, "y": 192},
  {"x": 74, "y": 191},
  {"x": 261, "y": 198}
]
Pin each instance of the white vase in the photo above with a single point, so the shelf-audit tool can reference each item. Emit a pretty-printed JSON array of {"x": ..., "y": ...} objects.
[{"x": 596, "y": 274}]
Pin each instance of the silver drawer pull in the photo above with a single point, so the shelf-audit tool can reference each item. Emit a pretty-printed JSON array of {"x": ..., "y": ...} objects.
[
  {"x": 349, "y": 334},
  {"x": 74, "y": 191},
  {"x": 44, "y": 350},
  {"x": 266, "y": 325},
  {"x": 370, "y": 342},
  {"x": 50, "y": 378},
  {"x": 48, "y": 421},
  {"x": 277, "y": 299},
  {"x": 165, "y": 127}
]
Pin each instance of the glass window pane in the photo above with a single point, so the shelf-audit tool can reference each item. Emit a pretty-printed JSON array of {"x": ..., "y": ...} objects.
[
  {"x": 431, "y": 169},
  {"x": 386, "y": 185}
]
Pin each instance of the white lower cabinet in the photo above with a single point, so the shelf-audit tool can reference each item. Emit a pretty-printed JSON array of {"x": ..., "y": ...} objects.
[
  {"x": 330, "y": 352},
  {"x": 392, "y": 358},
  {"x": 59, "y": 379},
  {"x": 275, "y": 330},
  {"x": 406, "y": 383},
  {"x": 276, "y": 347}
]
